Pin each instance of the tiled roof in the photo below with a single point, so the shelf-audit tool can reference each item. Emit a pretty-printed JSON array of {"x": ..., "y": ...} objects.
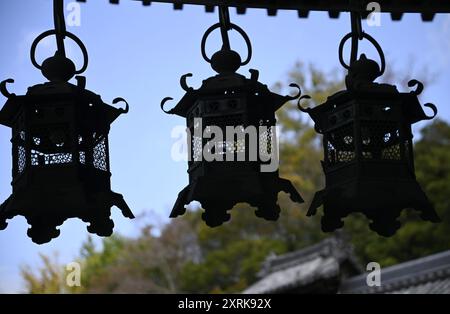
[
  {"x": 430, "y": 274},
  {"x": 441, "y": 286},
  {"x": 304, "y": 274},
  {"x": 332, "y": 263},
  {"x": 320, "y": 262}
]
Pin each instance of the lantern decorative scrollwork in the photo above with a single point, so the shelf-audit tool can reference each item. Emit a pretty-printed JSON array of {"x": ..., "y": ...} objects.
[
  {"x": 60, "y": 147},
  {"x": 247, "y": 107},
  {"x": 368, "y": 149}
]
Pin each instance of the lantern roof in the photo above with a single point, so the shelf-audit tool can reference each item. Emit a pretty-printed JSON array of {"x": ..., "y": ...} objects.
[
  {"x": 56, "y": 92},
  {"x": 228, "y": 84},
  {"x": 362, "y": 88},
  {"x": 369, "y": 93}
]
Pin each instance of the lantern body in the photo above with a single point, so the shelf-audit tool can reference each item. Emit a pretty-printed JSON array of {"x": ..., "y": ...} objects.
[
  {"x": 368, "y": 155},
  {"x": 60, "y": 159},
  {"x": 224, "y": 103}
]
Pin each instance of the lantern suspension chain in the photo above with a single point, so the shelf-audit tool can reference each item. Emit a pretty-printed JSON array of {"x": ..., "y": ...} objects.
[
  {"x": 60, "y": 26},
  {"x": 225, "y": 26},
  {"x": 357, "y": 34}
]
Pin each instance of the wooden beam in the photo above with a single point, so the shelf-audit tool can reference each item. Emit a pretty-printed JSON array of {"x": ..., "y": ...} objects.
[
  {"x": 396, "y": 8},
  {"x": 393, "y": 6}
]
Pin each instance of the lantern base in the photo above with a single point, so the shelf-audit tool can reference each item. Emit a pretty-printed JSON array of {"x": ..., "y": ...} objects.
[
  {"x": 43, "y": 229},
  {"x": 380, "y": 201},
  {"x": 4, "y": 215},
  {"x": 45, "y": 214},
  {"x": 218, "y": 196},
  {"x": 217, "y": 216},
  {"x": 102, "y": 225}
]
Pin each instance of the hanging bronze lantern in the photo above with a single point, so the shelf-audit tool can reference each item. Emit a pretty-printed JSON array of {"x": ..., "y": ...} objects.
[
  {"x": 368, "y": 150},
  {"x": 60, "y": 148},
  {"x": 223, "y": 102}
]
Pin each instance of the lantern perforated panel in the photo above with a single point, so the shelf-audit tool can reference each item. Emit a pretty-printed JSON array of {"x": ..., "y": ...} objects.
[
  {"x": 100, "y": 157},
  {"x": 340, "y": 145},
  {"x": 197, "y": 148},
  {"x": 20, "y": 153},
  {"x": 41, "y": 159},
  {"x": 380, "y": 140},
  {"x": 21, "y": 159},
  {"x": 232, "y": 121},
  {"x": 229, "y": 147},
  {"x": 82, "y": 157},
  {"x": 265, "y": 139}
]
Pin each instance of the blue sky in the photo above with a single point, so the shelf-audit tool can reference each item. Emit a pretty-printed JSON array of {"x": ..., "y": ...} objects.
[{"x": 139, "y": 53}]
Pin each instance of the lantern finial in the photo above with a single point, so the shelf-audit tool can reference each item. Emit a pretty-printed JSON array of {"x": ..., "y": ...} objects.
[
  {"x": 59, "y": 68},
  {"x": 362, "y": 71},
  {"x": 226, "y": 60},
  {"x": 362, "y": 65}
]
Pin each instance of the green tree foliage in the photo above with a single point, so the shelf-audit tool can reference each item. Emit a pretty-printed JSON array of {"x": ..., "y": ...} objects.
[
  {"x": 46, "y": 279},
  {"x": 416, "y": 238},
  {"x": 188, "y": 256}
]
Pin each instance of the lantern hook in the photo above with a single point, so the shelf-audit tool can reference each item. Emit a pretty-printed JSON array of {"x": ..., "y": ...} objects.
[
  {"x": 183, "y": 83},
  {"x": 419, "y": 87},
  {"x": 300, "y": 107},
  {"x": 127, "y": 106},
  {"x": 432, "y": 107},
  {"x": 299, "y": 92},
  {"x": 163, "y": 102},
  {"x": 417, "y": 92},
  {"x": 4, "y": 90}
]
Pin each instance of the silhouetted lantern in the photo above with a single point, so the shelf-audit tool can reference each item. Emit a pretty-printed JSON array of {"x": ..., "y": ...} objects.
[
  {"x": 60, "y": 152},
  {"x": 368, "y": 150},
  {"x": 234, "y": 101}
]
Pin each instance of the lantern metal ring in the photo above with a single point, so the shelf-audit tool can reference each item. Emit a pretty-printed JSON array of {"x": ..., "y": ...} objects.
[
  {"x": 68, "y": 34},
  {"x": 371, "y": 40},
  {"x": 232, "y": 26}
]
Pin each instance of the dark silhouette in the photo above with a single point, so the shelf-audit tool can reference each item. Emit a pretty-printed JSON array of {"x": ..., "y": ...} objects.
[
  {"x": 427, "y": 8},
  {"x": 60, "y": 147},
  {"x": 368, "y": 149},
  {"x": 230, "y": 99},
  {"x": 61, "y": 158}
]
